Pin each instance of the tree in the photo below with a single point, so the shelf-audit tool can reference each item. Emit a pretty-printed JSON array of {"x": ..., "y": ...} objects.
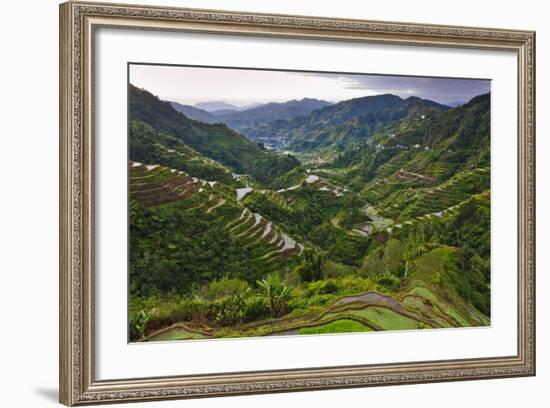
[
  {"x": 311, "y": 269},
  {"x": 373, "y": 265},
  {"x": 394, "y": 251}
]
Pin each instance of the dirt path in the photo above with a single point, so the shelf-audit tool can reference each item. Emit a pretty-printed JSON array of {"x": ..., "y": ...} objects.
[
  {"x": 407, "y": 175},
  {"x": 221, "y": 202}
]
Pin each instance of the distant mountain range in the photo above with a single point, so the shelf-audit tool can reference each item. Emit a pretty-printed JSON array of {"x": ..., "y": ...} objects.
[
  {"x": 340, "y": 124},
  {"x": 310, "y": 124},
  {"x": 216, "y": 106},
  {"x": 270, "y": 112},
  {"x": 242, "y": 118}
]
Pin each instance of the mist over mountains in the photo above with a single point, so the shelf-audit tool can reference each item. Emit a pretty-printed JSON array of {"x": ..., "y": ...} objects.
[{"x": 216, "y": 106}]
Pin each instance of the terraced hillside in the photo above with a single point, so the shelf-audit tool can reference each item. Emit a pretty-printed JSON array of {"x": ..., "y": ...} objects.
[
  {"x": 410, "y": 203},
  {"x": 152, "y": 185},
  {"x": 387, "y": 232},
  {"x": 361, "y": 303},
  {"x": 175, "y": 195}
]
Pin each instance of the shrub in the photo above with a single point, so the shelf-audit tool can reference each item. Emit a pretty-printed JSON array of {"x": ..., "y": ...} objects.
[
  {"x": 321, "y": 287},
  {"x": 225, "y": 287},
  {"x": 354, "y": 284},
  {"x": 255, "y": 308},
  {"x": 332, "y": 269},
  {"x": 328, "y": 287},
  {"x": 230, "y": 310},
  {"x": 138, "y": 324},
  {"x": 389, "y": 282},
  {"x": 276, "y": 294}
]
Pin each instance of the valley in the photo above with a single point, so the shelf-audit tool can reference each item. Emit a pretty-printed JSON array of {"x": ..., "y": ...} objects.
[{"x": 364, "y": 215}]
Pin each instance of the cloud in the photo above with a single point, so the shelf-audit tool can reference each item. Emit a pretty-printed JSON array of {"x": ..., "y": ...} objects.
[
  {"x": 444, "y": 90},
  {"x": 190, "y": 85}
]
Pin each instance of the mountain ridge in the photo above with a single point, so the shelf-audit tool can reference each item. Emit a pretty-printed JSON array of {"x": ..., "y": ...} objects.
[
  {"x": 322, "y": 126},
  {"x": 194, "y": 113},
  {"x": 270, "y": 112}
]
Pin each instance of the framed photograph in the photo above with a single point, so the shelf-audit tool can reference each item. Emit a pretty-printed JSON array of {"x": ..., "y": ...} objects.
[{"x": 256, "y": 203}]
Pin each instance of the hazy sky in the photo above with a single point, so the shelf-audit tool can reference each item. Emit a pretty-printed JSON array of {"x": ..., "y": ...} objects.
[{"x": 190, "y": 85}]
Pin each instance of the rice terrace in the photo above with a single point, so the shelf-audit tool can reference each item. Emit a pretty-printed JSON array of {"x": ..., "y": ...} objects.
[{"x": 329, "y": 203}]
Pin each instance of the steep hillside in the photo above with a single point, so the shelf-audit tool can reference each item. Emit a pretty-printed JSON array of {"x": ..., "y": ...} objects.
[
  {"x": 422, "y": 150},
  {"x": 215, "y": 141},
  {"x": 187, "y": 231}
]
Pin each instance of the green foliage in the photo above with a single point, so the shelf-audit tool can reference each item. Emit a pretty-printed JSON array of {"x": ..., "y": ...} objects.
[
  {"x": 350, "y": 249},
  {"x": 351, "y": 217},
  {"x": 389, "y": 282},
  {"x": 255, "y": 308},
  {"x": 138, "y": 323},
  {"x": 230, "y": 310},
  {"x": 322, "y": 287},
  {"x": 309, "y": 209},
  {"x": 311, "y": 269},
  {"x": 147, "y": 145},
  {"x": 394, "y": 254},
  {"x": 385, "y": 260},
  {"x": 294, "y": 177},
  {"x": 467, "y": 229},
  {"x": 225, "y": 287},
  {"x": 276, "y": 294},
  {"x": 332, "y": 269},
  {"x": 175, "y": 249}
]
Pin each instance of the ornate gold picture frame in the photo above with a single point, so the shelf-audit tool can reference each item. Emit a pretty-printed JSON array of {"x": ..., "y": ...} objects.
[{"x": 78, "y": 24}]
